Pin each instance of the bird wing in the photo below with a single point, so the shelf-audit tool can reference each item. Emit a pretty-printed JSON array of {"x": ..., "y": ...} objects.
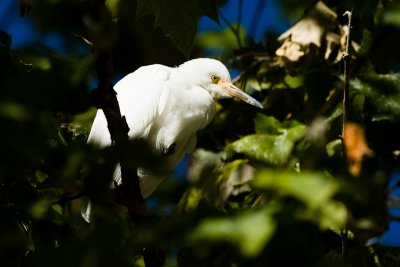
[{"x": 141, "y": 96}]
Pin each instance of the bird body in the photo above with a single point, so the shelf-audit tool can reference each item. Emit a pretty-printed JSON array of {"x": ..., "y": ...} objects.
[{"x": 167, "y": 106}]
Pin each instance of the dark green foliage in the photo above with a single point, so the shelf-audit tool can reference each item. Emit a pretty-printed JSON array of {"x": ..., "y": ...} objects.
[{"x": 171, "y": 15}]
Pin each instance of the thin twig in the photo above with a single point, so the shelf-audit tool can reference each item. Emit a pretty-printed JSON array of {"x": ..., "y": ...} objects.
[
  {"x": 233, "y": 29},
  {"x": 346, "y": 60}
]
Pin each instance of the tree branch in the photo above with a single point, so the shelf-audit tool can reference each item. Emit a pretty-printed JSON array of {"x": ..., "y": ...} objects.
[
  {"x": 128, "y": 192},
  {"x": 105, "y": 98}
]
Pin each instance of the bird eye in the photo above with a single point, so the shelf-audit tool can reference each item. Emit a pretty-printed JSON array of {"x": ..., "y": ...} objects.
[{"x": 215, "y": 79}]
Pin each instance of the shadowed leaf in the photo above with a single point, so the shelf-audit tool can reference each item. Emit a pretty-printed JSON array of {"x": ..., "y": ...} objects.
[{"x": 170, "y": 15}]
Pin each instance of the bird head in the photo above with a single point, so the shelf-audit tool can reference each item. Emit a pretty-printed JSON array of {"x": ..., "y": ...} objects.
[{"x": 214, "y": 77}]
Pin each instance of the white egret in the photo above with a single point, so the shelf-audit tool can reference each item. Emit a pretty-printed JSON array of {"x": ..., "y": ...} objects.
[{"x": 167, "y": 106}]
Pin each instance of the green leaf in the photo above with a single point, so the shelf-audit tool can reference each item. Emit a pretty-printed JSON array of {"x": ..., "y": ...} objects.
[
  {"x": 270, "y": 125},
  {"x": 190, "y": 200},
  {"x": 36, "y": 61},
  {"x": 40, "y": 208},
  {"x": 311, "y": 188},
  {"x": 391, "y": 15},
  {"x": 334, "y": 148},
  {"x": 271, "y": 149},
  {"x": 382, "y": 92},
  {"x": 79, "y": 128},
  {"x": 113, "y": 6},
  {"x": 14, "y": 111},
  {"x": 266, "y": 124},
  {"x": 273, "y": 141},
  {"x": 178, "y": 18},
  {"x": 315, "y": 190},
  {"x": 249, "y": 231},
  {"x": 294, "y": 81}
]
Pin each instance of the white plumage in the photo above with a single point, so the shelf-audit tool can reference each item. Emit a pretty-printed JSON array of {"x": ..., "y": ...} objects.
[{"x": 167, "y": 106}]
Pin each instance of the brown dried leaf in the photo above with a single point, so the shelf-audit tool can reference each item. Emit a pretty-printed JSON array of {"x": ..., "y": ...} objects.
[
  {"x": 356, "y": 147},
  {"x": 292, "y": 51},
  {"x": 318, "y": 26}
]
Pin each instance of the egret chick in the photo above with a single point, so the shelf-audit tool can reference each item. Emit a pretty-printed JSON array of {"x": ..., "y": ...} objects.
[{"x": 166, "y": 107}]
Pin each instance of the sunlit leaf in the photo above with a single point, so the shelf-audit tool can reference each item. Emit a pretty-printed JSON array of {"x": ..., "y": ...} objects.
[
  {"x": 299, "y": 185},
  {"x": 267, "y": 125},
  {"x": 315, "y": 190},
  {"x": 294, "y": 81},
  {"x": 270, "y": 125},
  {"x": 190, "y": 200},
  {"x": 249, "y": 231},
  {"x": 273, "y": 142},
  {"x": 271, "y": 149}
]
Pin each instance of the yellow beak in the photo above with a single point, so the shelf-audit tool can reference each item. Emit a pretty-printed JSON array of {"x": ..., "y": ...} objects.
[{"x": 235, "y": 92}]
